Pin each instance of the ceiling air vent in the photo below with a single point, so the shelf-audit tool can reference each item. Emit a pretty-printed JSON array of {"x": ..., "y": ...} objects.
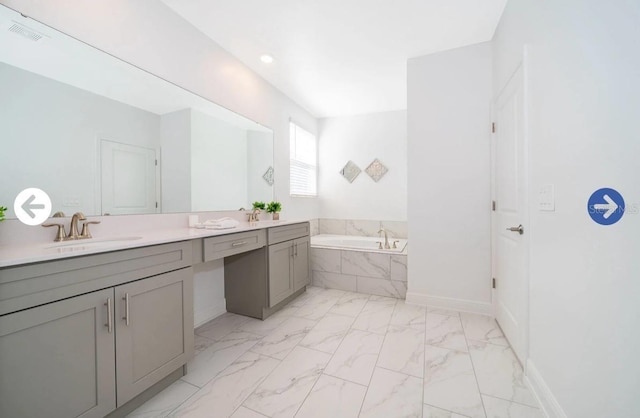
[{"x": 25, "y": 32}]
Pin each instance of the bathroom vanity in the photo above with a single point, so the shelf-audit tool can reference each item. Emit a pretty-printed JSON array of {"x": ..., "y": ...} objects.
[{"x": 99, "y": 331}]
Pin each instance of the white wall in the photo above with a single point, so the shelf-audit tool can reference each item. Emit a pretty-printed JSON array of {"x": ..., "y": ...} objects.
[
  {"x": 362, "y": 139},
  {"x": 175, "y": 161},
  {"x": 218, "y": 164},
  {"x": 259, "y": 159},
  {"x": 584, "y": 86},
  {"x": 449, "y": 97}
]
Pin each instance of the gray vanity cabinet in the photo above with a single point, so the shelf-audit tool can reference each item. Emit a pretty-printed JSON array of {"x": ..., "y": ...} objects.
[
  {"x": 301, "y": 263},
  {"x": 58, "y": 360},
  {"x": 154, "y": 330},
  {"x": 85, "y": 335},
  {"x": 288, "y": 268},
  {"x": 280, "y": 272},
  {"x": 258, "y": 283}
]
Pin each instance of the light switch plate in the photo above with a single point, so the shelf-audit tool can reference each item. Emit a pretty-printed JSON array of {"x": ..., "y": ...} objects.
[{"x": 547, "y": 198}]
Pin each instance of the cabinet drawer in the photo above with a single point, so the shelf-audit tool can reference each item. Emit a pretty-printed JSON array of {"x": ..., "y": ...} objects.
[
  {"x": 225, "y": 245},
  {"x": 36, "y": 284},
  {"x": 288, "y": 232}
]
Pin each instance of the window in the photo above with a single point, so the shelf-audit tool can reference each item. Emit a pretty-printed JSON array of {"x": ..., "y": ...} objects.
[{"x": 303, "y": 162}]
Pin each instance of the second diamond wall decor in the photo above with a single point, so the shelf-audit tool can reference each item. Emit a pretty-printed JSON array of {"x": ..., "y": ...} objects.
[{"x": 376, "y": 170}]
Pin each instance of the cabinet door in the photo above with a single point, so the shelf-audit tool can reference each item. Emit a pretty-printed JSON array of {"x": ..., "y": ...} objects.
[
  {"x": 57, "y": 360},
  {"x": 301, "y": 275},
  {"x": 154, "y": 330},
  {"x": 280, "y": 272}
]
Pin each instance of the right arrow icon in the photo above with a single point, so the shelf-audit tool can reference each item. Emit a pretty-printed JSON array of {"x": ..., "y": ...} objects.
[
  {"x": 605, "y": 206},
  {"x": 610, "y": 206}
]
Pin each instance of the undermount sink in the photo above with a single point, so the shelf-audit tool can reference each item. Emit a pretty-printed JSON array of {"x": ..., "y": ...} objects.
[{"x": 93, "y": 242}]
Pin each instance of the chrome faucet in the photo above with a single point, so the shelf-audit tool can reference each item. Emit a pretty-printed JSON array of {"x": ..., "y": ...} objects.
[
  {"x": 61, "y": 235},
  {"x": 386, "y": 238},
  {"x": 253, "y": 216},
  {"x": 73, "y": 228}
]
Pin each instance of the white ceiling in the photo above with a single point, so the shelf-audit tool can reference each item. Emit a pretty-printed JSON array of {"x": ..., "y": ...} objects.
[{"x": 341, "y": 57}]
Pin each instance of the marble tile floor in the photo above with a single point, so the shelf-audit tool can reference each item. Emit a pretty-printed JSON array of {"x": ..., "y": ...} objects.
[{"x": 332, "y": 353}]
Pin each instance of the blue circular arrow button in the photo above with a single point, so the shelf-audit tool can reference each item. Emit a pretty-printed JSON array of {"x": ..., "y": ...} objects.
[{"x": 606, "y": 206}]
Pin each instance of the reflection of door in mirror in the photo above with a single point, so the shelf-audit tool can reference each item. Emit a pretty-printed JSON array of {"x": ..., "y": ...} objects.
[{"x": 128, "y": 179}]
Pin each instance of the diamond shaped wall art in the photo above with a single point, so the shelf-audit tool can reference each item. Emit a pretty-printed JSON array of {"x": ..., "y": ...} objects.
[
  {"x": 350, "y": 171},
  {"x": 376, "y": 170},
  {"x": 268, "y": 176}
]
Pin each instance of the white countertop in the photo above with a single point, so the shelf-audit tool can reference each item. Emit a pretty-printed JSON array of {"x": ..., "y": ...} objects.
[{"x": 11, "y": 255}]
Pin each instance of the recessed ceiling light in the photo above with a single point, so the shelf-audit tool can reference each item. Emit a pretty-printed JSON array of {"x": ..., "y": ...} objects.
[{"x": 266, "y": 58}]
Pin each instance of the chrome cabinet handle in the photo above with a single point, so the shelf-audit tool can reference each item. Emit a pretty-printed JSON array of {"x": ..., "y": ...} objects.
[
  {"x": 296, "y": 253},
  {"x": 126, "y": 308},
  {"x": 237, "y": 244},
  {"x": 519, "y": 229},
  {"x": 109, "y": 323}
]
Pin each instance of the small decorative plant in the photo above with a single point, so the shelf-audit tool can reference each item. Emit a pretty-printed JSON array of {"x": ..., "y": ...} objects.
[
  {"x": 274, "y": 208},
  {"x": 259, "y": 205},
  {"x": 2, "y": 210}
]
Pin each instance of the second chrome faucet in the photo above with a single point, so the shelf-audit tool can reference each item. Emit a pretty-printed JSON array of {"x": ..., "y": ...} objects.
[{"x": 61, "y": 234}]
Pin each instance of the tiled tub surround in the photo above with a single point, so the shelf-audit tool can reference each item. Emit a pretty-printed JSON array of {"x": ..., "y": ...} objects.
[
  {"x": 371, "y": 273},
  {"x": 358, "y": 227}
]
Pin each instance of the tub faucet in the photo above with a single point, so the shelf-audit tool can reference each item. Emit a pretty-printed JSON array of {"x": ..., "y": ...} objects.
[{"x": 386, "y": 238}]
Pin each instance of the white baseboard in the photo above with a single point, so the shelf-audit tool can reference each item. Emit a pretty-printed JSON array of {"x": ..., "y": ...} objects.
[
  {"x": 483, "y": 308},
  {"x": 541, "y": 391},
  {"x": 205, "y": 315}
]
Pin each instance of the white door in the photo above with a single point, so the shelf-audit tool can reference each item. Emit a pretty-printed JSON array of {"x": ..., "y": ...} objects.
[
  {"x": 510, "y": 221},
  {"x": 128, "y": 179}
]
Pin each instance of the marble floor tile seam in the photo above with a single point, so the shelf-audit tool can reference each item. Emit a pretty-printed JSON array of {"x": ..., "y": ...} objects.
[
  {"x": 314, "y": 386},
  {"x": 246, "y": 407},
  {"x": 168, "y": 414},
  {"x": 473, "y": 366},
  {"x": 328, "y": 313},
  {"x": 374, "y": 369},
  {"x": 343, "y": 378},
  {"x": 512, "y": 401},
  {"x": 451, "y": 412},
  {"x": 493, "y": 395},
  {"x": 267, "y": 355},
  {"x": 471, "y": 340},
  {"x": 445, "y": 348}
]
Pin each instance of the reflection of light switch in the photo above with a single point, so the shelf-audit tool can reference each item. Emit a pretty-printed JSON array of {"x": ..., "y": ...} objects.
[
  {"x": 547, "y": 198},
  {"x": 71, "y": 201}
]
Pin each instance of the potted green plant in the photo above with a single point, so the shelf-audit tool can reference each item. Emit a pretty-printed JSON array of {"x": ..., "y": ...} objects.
[
  {"x": 274, "y": 208},
  {"x": 2, "y": 210},
  {"x": 259, "y": 205}
]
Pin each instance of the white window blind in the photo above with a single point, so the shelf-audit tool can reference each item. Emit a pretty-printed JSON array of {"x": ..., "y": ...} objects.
[{"x": 303, "y": 171}]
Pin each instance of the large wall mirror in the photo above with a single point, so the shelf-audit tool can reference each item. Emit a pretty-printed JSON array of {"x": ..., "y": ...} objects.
[{"x": 101, "y": 136}]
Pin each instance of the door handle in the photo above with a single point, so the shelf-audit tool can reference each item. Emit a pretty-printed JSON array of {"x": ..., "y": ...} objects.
[
  {"x": 296, "y": 253},
  {"x": 519, "y": 229},
  {"x": 109, "y": 323},
  {"x": 126, "y": 308}
]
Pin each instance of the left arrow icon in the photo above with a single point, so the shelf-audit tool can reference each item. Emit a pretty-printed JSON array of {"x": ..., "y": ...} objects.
[
  {"x": 32, "y": 206},
  {"x": 28, "y": 205}
]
